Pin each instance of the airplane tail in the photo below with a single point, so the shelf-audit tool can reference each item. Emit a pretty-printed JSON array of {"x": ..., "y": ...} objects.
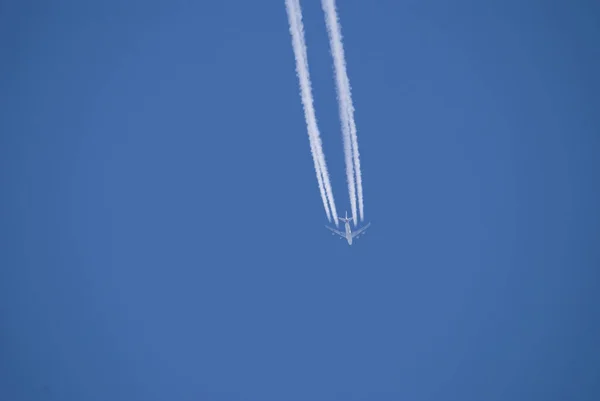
[{"x": 345, "y": 219}]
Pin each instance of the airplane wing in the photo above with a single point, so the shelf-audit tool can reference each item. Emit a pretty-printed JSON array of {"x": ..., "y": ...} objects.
[
  {"x": 360, "y": 230},
  {"x": 341, "y": 234}
]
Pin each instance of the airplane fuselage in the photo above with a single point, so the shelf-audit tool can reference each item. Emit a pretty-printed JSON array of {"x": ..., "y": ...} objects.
[{"x": 348, "y": 233}]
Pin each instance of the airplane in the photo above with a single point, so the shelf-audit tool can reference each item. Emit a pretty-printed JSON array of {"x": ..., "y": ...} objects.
[{"x": 349, "y": 234}]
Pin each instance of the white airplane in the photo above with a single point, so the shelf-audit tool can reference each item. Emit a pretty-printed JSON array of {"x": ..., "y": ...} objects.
[{"x": 349, "y": 234}]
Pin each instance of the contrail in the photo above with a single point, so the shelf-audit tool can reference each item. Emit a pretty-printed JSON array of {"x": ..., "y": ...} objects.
[
  {"x": 346, "y": 109},
  {"x": 294, "y": 13}
]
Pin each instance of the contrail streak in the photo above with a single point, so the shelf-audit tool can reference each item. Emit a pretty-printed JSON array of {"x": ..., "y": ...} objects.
[
  {"x": 346, "y": 109},
  {"x": 294, "y": 13}
]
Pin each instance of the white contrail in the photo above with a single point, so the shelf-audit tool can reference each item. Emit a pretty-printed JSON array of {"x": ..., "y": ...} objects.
[
  {"x": 346, "y": 108},
  {"x": 343, "y": 107},
  {"x": 297, "y": 31}
]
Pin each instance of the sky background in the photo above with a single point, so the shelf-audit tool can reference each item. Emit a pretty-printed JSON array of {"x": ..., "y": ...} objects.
[{"x": 161, "y": 229}]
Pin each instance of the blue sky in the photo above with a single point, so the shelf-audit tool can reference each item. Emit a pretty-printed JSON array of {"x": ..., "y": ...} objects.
[{"x": 162, "y": 231}]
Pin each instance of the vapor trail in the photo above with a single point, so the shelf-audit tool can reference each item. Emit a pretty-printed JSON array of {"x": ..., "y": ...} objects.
[
  {"x": 346, "y": 108},
  {"x": 294, "y": 13}
]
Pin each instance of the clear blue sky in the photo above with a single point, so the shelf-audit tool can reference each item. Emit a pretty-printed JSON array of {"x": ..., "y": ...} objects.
[{"x": 162, "y": 232}]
